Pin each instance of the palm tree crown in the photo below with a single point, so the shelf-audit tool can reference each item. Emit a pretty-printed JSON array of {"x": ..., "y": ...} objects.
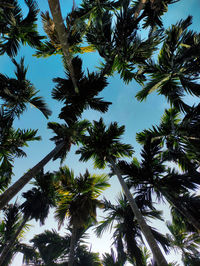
[
  {"x": 17, "y": 92},
  {"x": 15, "y": 29},
  {"x": 177, "y": 69},
  {"x": 89, "y": 85},
  {"x": 103, "y": 143}
]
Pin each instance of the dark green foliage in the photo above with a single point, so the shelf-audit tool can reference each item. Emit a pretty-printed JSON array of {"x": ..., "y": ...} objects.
[
  {"x": 51, "y": 246},
  {"x": 67, "y": 135},
  {"x": 177, "y": 68},
  {"x": 103, "y": 143},
  {"x": 181, "y": 137},
  {"x": 11, "y": 146},
  {"x": 185, "y": 242},
  {"x": 12, "y": 219},
  {"x": 154, "y": 10},
  {"x": 78, "y": 197},
  {"x": 17, "y": 92},
  {"x": 120, "y": 45},
  {"x": 75, "y": 103},
  {"x": 127, "y": 234},
  {"x": 15, "y": 29},
  {"x": 40, "y": 198},
  {"x": 153, "y": 176}
]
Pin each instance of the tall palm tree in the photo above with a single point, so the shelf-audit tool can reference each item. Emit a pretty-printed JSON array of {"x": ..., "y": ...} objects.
[
  {"x": 11, "y": 146},
  {"x": 152, "y": 176},
  {"x": 103, "y": 146},
  {"x": 79, "y": 201},
  {"x": 17, "y": 92},
  {"x": 36, "y": 206},
  {"x": 127, "y": 233},
  {"x": 177, "y": 68},
  {"x": 63, "y": 35},
  {"x": 14, "y": 29},
  {"x": 90, "y": 86},
  {"x": 64, "y": 138},
  {"x": 12, "y": 219}
]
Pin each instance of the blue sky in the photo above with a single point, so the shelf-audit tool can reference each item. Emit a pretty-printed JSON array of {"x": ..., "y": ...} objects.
[{"x": 125, "y": 109}]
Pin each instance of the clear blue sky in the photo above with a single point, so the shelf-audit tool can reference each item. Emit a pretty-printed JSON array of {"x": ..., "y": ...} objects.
[{"x": 125, "y": 109}]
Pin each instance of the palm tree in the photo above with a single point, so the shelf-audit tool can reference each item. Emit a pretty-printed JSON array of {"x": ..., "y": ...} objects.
[
  {"x": 17, "y": 92},
  {"x": 177, "y": 134},
  {"x": 15, "y": 29},
  {"x": 185, "y": 242},
  {"x": 117, "y": 41},
  {"x": 9, "y": 225},
  {"x": 11, "y": 143},
  {"x": 78, "y": 200},
  {"x": 177, "y": 69},
  {"x": 111, "y": 260},
  {"x": 63, "y": 35},
  {"x": 75, "y": 29},
  {"x": 112, "y": 29},
  {"x": 152, "y": 176},
  {"x": 36, "y": 206},
  {"x": 103, "y": 146},
  {"x": 64, "y": 138},
  {"x": 51, "y": 246},
  {"x": 127, "y": 233},
  {"x": 89, "y": 85},
  {"x": 53, "y": 249}
]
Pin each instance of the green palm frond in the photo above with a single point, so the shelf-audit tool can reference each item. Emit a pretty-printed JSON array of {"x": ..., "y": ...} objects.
[
  {"x": 17, "y": 92},
  {"x": 177, "y": 58},
  {"x": 78, "y": 197},
  {"x": 68, "y": 135},
  {"x": 15, "y": 29},
  {"x": 103, "y": 143},
  {"x": 90, "y": 86}
]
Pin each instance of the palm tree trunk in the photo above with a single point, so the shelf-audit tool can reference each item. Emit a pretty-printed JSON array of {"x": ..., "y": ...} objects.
[
  {"x": 72, "y": 247},
  {"x": 159, "y": 258},
  {"x": 9, "y": 245},
  {"x": 22, "y": 181},
  {"x": 139, "y": 8},
  {"x": 63, "y": 37},
  {"x": 182, "y": 209}
]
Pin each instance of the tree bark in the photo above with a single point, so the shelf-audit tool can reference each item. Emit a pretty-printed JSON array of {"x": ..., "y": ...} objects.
[
  {"x": 139, "y": 8},
  {"x": 182, "y": 209},
  {"x": 72, "y": 247},
  {"x": 54, "y": 6},
  {"x": 22, "y": 181},
  {"x": 8, "y": 246},
  {"x": 159, "y": 258}
]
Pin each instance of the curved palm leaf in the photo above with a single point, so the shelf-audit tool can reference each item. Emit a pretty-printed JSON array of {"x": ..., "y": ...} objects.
[
  {"x": 17, "y": 92},
  {"x": 103, "y": 143},
  {"x": 89, "y": 87},
  {"x": 15, "y": 29},
  {"x": 176, "y": 71}
]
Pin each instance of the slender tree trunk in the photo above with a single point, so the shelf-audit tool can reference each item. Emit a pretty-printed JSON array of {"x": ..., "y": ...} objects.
[
  {"x": 72, "y": 246},
  {"x": 22, "y": 181},
  {"x": 182, "y": 209},
  {"x": 159, "y": 258},
  {"x": 9, "y": 245},
  {"x": 139, "y": 8},
  {"x": 63, "y": 37}
]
